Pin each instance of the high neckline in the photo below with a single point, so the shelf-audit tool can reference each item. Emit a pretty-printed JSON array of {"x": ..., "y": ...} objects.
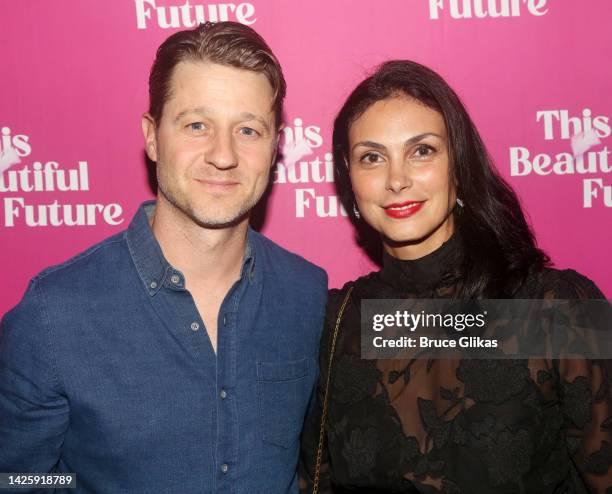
[{"x": 426, "y": 272}]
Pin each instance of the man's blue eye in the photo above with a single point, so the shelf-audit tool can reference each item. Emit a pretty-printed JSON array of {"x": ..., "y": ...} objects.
[{"x": 248, "y": 131}]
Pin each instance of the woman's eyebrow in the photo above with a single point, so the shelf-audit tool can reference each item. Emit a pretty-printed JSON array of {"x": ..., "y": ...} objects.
[{"x": 409, "y": 142}]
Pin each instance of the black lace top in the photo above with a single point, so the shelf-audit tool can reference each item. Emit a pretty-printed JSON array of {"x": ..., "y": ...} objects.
[{"x": 457, "y": 426}]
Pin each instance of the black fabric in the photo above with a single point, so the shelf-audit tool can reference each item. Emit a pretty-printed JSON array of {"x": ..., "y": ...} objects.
[{"x": 457, "y": 426}]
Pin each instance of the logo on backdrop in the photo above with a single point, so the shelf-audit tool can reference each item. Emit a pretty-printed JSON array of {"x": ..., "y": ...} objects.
[
  {"x": 189, "y": 15},
  {"x": 582, "y": 133},
  {"x": 20, "y": 187},
  {"x": 302, "y": 164},
  {"x": 480, "y": 9}
]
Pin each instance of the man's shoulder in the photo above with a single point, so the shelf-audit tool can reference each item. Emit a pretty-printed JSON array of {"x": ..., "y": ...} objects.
[
  {"x": 284, "y": 262},
  {"x": 82, "y": 276},
  {"x": 96, "y": 258}
]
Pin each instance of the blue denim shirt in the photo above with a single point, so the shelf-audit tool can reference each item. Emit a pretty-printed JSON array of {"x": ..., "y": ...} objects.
[{"x": 107, "y": 371}]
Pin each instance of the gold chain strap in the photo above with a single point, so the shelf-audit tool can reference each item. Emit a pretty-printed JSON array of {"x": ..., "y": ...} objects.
[{"x": 317, "y": 474}]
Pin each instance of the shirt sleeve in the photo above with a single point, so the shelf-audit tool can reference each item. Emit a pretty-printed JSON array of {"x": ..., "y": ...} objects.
[
  {"x": 312, "y": 426},
  {"x": 33, "y": 409},
  {"x": 585, "y": 390}
]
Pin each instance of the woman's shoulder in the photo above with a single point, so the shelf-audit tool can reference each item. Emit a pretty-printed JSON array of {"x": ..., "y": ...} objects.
[
  {"x": 343, "y": 304},
  {"x": 336, "y": 296},
  {"x": 566, "y": 284}
]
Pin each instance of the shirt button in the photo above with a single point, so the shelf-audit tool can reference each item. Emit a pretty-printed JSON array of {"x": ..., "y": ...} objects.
[
  {"x": 195, "y": 326},
  {"x": 224, "y": 468},
  {"x": 225, "y": 319},
  {"x": 175, "y": 279},
  {"x": 223, "y": 394},
  {"x": 153, "y": 285}
]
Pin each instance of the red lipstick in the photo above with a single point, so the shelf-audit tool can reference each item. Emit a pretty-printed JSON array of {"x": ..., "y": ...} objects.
[{"x": 403, "y": 209}]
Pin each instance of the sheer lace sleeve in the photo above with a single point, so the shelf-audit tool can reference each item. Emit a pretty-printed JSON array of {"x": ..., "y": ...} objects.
[{"x": 585, "y": 391}]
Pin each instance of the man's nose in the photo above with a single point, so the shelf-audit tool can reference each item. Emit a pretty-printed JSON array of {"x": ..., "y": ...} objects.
[{"x": 221, "y": 152}]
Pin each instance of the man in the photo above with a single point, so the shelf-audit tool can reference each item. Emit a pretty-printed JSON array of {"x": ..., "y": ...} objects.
[{"x": 180, "y": 355}]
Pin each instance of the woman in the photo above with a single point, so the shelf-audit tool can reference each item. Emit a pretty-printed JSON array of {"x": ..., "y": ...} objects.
[{"x": 411, "y": 165}]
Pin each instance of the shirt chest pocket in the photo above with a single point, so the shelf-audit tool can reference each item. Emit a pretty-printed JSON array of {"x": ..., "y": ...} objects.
[{"x": 284, "y": 390}]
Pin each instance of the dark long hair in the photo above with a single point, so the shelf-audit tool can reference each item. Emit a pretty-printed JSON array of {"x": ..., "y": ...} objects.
[{"x": 498, "y": 246}]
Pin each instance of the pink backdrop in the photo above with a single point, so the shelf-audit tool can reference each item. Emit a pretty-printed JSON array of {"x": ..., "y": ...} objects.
[{"x": 73, "y": 84}]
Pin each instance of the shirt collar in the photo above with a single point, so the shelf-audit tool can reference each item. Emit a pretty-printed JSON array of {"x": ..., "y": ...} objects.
[
  {"x": 248, "y": 264},
  {"x": 153, "y": 268}
]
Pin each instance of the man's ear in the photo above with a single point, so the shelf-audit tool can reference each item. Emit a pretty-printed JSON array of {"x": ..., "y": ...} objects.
[{"x": 148, "y": 131}]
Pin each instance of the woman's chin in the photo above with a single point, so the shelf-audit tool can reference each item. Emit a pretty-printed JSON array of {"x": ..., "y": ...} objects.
[{"x": 396, "y": 241}]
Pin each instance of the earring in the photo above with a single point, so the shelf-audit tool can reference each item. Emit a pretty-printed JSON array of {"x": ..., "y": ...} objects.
[
  {"x": 356, "y": 211},
  {"x": 459, "y": 202}
]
